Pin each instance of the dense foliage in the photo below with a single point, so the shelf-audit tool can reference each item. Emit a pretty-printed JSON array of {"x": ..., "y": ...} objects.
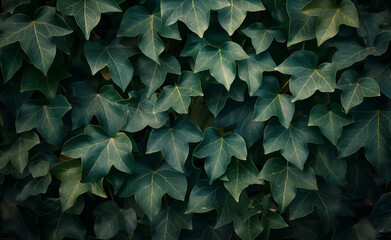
[{"x": 195, "y": 119}]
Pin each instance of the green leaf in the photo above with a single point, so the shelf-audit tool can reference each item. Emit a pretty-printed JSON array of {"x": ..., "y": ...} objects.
[
  {"x": 40, "y": 164},
  {"x": 219, "y": 150},
  {"x": 174, "y": 141},
  {"x": 330, "y": 16},
  {"x": 17, "y": 153},
  {"x": 301, "y": 26},
  {"x": 272, "y": 103},
  {"x": 11, "y": 5},
  {"x": 381, "y": 214},
  {"x": 370, "y": 24},
  {"x": 285, "y": 178},
  {"x": 247, "y": 229},
  {"x": 46, "y": 118},
  {"x": 221, "y": 61},
  {"x": 150, "y": 185},
  {"x": 99, "y": 152},
  {"x": 178, "y": 97},
  {"x": 170, "y": 220},
  {"x": 292, "y": 141},
  {"x": 371, "y": 129},
  {"x": 329, "y": 120},
  {"x": 261, "y": 37},
  {"x": 307, "y": 76},
  {"x": 195, "y": 14},
  {"x": 381, "y": 72},
  {"x": 114, "y": 56},
  {"x": 11, "y": 96},
  {"x": 203, "y": 229},
  {"x": 138, "y": 21},
  {"x": 87, "y": 12},
  {"x": 10, "y": 66},
  {"x": 33, "y": 186},
  {"x": 153, "y": 74},
  {"x": 354, "y": 89},
  {"x": 103, "y": 104},
  {"x": 33, "y": 79},
  {"x": 141, "y": 112},
  {"x": 232, "y": 17},
  {"x": 110, "y": 219},
  {"x": 35, "y": 35},
  {"x": 240, "y": 175},
  {"x": 251, "y": 70},
  {"x": 271, "y": 220},
  {"x": 70, "y": 174},
  {"x": 361, "y": 230}
]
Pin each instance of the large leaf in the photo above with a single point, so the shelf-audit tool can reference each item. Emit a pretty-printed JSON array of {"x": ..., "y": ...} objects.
[
  {"x": 174, "y": 141},
  {"x": 307, "y": 76},
  {"x": 301, "y": 26},
  {"x": 285, "y": 178},
  {"x": 35, "y": 35},
  {"x": 292, "y": 141},
  {"x": 221, "y": 61},
  {"x": 87, "y": 12},
  {"x": 219, "y": 150},
  {"x": 46, "y": 118},
  {"x": 99, "y": 152},
  {"x": 261, "y": 37}
]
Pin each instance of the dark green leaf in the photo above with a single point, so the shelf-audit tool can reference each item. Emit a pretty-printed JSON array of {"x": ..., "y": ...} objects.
[
  {"x": 261, "y": 37},
  {"x": 381, "y": 214},
  {"x": 301, "y": 26},
  {"x": 10, "y": 66}
]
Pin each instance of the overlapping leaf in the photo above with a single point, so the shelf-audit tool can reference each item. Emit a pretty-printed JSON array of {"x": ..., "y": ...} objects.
[
  {"x": 301, "y": 27},
  {"x": 261, "y": 37}
]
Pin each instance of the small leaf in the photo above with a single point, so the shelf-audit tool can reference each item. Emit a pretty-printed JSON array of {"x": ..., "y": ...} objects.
[
  {"x": 261, "y": 37},
  {"x": 271, "y": 220},
  {"x": 247, "y": 229},
  {"x": 33, "y": 187},
  {"x": 301, "y": 26},
  {"x": 9, "y": 66},
  {"x": 381, "y": 72}
]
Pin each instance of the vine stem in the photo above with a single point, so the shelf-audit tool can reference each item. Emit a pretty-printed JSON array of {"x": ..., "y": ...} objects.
[{"x": 285, "y": 84}]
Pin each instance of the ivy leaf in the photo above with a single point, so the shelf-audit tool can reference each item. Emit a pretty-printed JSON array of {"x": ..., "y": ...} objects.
[
  {"x": 271, "y": 220},
  {"x": 381, "y": 72},
  {"x": 17, "y": 153},
  {"x": 87, "y": 12},
  {"x": 110, "y": 219},
  {"x": 9, "y": 66},
  {"x": 138, "y": 21},
  {"x": 203, "y": 229},
  {"x": 261, "y": 37},
  {"x": 174, "y": 141},
  {"x": 369, "y": 26},
  {"x": 103, "y": 104},
  {"x": 301, "y": 26},
  {"x": 170, "y": 220},
  {"x": 141, "y": 112},
  {"x": 195, "y": 14},
  {"x": 150, "y": 185},
  {"x": 359, "y": 177},
  {"x": 35, "y": 35},
  {"x": 153, "y": 74},
  {"x": 371, "y": 129},
  {"x": 31, "y": 186},
  {"x": 381, "y": 214},
  {"x": 329, "y": 120},
  {"x": 179, "y": 96},
  {"x": 330, "y": 16},
  {"x": 11, "y": 5},
  {"x": 33, "y": 79},
  {"x": 361, "y": 230},
  {"x": 285, "y": 179},
  {"x": 247, "y": 229},
  {"x": 99, "y": 152},
  {"x": 232, "y": 17},
  {"x": 114, "y": 56},
  {"x": 292, "y": 141},
  {"x": 221, "y": 61},
  {"x": 219, "y": 151},
  {"x": 354, "y": 89},
  {"x": 272, "y": 103},
  {"x": 240, "y": 175},
  {"x": 252, "y": 68},
  {"x": 11, "y": 96},
  {"x": 46, "y": 118},
  {"x": 307, "y": 76},
  {"x": 70, "y": 174}
]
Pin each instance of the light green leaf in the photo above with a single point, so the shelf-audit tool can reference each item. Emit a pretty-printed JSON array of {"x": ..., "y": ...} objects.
[
  {"x": 292, "y": 141},
  {"x": 219, "y": 151},
  {"x": 307, "y": 76},
  {"x": 11, "y": 5},
  {"x": 330, "y": 121},
  {"x": 354, "y": 89},
  {"x": 10, "y": 65},
  {"x": 174, "y": 141},
  {"x": 178, "y": 97},
  {"x": 195, "y": 14},
  {"x": 87, "y": 12},
  {"x": 272, "y": 103},
  {"x": 99, "y": 152},
  {"x": 381, "y": 72},
  {"x": 232, "y": 17},
  {"x": 261, "y": 37},
  {"x": 330, "y": 16},
  {"x": 285, "y": 179},
  {"x": 35, "y": 35},
  {"x": 46, "y": 118},
  {"x": 114, "y": 56},
  {"x": 153, "y": 74},
  {"x": 70, "y": 173},
  {"x": 150, "y": 185},
  {"x": 251, "y": 70},
  {"x": 221, "y": 61},
  {"x": 301, "y": 26}
]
